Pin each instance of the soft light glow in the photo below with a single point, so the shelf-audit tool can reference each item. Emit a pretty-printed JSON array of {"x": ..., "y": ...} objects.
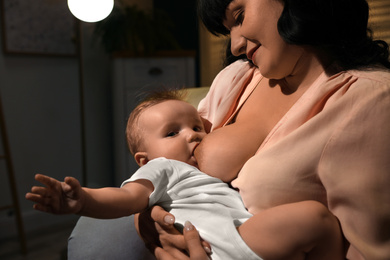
[{"x": 91, "y": 10}]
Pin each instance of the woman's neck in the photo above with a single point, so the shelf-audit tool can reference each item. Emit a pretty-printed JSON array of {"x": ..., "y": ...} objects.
[{"x": 308, "y": 69}]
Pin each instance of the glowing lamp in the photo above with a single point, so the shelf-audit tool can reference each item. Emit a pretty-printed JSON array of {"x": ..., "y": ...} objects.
[{"x": 91, "y": 10}]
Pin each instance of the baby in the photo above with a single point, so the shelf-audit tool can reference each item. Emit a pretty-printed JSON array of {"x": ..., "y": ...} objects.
[{"x": 163, "y": 132}]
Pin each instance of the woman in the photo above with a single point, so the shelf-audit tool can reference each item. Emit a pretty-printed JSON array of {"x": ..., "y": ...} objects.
[
  {"x": 311, "y": 114},
  {"x": 318, "y": 108}
]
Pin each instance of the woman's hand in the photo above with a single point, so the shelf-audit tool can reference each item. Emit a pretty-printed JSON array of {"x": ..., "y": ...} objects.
[
  {"x": 156, "y": 228},
  {"x": 197, "y": 249}
]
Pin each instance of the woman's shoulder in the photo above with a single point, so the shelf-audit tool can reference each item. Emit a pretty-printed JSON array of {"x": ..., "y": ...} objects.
[
  {"x": 371, "y": 77},
  {"x": 226, "y": 87},
  {"x": 357, "y": 89},
  {"x": 369, "y": 87},
  {"x": 360, "y": 83}
]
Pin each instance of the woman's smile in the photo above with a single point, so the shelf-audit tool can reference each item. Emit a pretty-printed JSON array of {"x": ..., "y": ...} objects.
[{"x": 251, "y": 54}]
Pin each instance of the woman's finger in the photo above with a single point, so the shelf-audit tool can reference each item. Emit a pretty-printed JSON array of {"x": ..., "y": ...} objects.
[
  {"x": 162, "y": 217},
  {"x": 194, "y": 244},
  {"x": 156, "y": 227},
  {"x": 162, "y": 254},
  {"x": 146, "y": 229},
  {"x": 170, "y": 238}
]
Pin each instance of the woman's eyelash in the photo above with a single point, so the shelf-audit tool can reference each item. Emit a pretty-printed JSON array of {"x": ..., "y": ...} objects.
[{"x": 240, "y": 17}]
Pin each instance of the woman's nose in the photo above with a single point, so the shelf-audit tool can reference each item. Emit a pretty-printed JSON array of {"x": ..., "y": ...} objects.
[{"x": 238, "y": 42}]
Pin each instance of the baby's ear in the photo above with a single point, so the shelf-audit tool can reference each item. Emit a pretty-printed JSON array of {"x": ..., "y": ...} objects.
[{"x": 141, "y": 158}]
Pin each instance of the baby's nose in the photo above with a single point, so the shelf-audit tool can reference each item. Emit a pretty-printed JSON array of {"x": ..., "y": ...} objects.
[{"x": 194, "y": 136}]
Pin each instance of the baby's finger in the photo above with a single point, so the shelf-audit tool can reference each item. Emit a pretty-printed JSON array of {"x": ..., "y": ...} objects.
[
  {"x": 195, "y": 247},
  {"x": 43, "y": 208},
  {"x": 71, "y": 181},
  {"x": 43, "y": 200},
  {"x": 71, "y": 184},
  {"x": 39, "y": 190},
  {"x": 46, "y": 180},
  {"x": 34, "y": 197}
]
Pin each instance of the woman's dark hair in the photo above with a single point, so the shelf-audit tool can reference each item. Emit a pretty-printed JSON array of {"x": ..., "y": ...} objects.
[
  {"x": 338, "y": 28},
  {"x": 213, "y": 13}
]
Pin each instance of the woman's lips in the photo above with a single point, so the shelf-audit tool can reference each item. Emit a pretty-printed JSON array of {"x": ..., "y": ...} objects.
[{"x": 252, "y": 53}]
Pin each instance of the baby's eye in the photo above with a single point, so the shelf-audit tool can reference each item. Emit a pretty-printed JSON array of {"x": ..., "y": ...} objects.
[
  {"x": 171, "y": 134},
  {"x": 197, "y": 129}
]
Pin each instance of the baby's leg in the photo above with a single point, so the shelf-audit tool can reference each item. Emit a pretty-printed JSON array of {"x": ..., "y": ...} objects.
[{"x": 302, "y": 230}]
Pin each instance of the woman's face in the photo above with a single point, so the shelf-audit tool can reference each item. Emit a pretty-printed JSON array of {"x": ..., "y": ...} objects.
[{"x": 253, "y": 30}]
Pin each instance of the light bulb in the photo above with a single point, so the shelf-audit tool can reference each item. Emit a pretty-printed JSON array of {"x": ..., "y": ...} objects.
[{"x": 91, "y": 10}]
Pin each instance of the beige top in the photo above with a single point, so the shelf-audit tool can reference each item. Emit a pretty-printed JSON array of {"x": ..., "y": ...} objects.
[{"x": 332, "y": 146}]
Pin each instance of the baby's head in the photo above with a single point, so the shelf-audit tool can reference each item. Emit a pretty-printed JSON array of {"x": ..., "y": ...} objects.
[{"x": 164, "y": 125}]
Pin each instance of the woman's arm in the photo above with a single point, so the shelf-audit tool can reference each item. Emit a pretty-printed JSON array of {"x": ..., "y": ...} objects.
[
  {"x": 302, "y": 230},
  {"x": 355, "y": 170}
]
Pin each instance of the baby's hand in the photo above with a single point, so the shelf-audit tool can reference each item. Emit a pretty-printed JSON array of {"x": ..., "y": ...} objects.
[{"x": 57, "y": 197}]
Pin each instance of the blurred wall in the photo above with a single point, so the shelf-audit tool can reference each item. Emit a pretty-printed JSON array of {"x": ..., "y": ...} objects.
[{"x": 41, "y": 101}]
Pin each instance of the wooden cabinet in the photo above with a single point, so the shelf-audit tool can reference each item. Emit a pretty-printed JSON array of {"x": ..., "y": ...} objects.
[{"x": 132, "y": 78}]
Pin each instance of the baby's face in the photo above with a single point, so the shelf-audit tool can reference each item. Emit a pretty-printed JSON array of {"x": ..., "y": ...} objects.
[{"x": 171, "y": 129}]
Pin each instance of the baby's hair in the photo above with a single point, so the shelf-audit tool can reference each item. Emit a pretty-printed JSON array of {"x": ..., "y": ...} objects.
[{"x": 133, "y": 132}]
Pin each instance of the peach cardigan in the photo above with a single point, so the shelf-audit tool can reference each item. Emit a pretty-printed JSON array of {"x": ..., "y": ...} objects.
[{"x": 332, "y": 146}]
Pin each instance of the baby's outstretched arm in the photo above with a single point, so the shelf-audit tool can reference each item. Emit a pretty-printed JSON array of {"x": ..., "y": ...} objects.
[
  {"x": 69, "y": 197},
  {"x": 57, "y": 197}
]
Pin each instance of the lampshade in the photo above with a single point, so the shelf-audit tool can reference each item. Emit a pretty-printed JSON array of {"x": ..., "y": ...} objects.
[{"x": 91, "y": 10}]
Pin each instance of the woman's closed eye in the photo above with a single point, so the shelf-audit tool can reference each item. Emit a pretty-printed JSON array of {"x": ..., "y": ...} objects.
[{"x": 239, "y": 17}]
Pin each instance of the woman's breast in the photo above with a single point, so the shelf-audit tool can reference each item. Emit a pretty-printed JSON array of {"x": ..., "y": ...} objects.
[
  {"x": 286, "y": 171},
  {"x": 224, "y": 151},
  {"x": 268, "y": 183}
]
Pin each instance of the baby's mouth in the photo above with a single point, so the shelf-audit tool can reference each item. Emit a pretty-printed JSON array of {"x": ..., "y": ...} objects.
[{"x": 193, "y": 150}]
